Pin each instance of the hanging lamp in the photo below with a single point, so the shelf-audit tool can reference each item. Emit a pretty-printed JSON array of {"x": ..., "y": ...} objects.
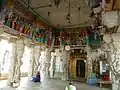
[
  {"x": 10, "y": 4},
  {"x": 57, "y": 2}
]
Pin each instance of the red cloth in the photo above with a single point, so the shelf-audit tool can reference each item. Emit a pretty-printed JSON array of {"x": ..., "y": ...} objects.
[{"x": 106, "y": 78}]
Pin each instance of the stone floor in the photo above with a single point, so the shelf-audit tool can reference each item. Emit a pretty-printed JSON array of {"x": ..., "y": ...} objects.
[{"x": 47, "y": 85}]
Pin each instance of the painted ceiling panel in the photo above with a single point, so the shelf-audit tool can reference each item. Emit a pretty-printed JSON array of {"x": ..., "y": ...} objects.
[{"x": 59, "y": 15}]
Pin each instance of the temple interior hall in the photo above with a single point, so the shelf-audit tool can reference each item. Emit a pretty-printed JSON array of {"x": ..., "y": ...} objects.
[{"x": 59, "y": 44}]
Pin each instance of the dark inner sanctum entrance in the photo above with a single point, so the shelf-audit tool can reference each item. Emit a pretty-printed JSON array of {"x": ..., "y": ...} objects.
[{"x": 80, "y": 68}]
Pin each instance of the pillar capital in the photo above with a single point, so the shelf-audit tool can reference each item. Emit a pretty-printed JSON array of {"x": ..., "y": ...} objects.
[
  {"x": 1, "y": 38},
  {"x": 27, "y": 41},
  {"x": 29, "y": 45},
  {"x": 1, "y": 30},
  {"x": 12, "y": 40},
  {"x": 37, "y": 46}
]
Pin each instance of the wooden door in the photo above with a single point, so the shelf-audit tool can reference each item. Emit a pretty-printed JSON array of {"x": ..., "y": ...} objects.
[{"x": 72, "y": 68}]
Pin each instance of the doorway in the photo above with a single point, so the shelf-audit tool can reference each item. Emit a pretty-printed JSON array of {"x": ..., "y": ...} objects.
[{"x": 80, "y": 68}]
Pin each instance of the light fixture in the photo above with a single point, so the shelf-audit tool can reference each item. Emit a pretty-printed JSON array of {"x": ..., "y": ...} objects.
[
  {"x": 68, "y": 17},
  {"x": 67, "y": 47},
  {"x": 57, "y": 2}
]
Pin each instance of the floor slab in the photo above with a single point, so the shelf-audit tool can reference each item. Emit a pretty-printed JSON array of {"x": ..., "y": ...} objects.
[{"x": 47, "y": 85}]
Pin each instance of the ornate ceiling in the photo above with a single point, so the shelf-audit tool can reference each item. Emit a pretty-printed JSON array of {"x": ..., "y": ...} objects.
[{"x": 57, "y": 16}]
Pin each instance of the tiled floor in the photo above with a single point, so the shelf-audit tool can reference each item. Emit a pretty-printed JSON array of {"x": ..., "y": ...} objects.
[{"x": 47, "y": 85}]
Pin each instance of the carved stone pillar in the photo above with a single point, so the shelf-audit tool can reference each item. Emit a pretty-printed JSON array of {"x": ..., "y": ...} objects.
[
  {"x": 42, "y": 65},
  {"x": 114, "y": 58},
  {"x": 31, "y": 67},
  {"x": 29, "y": 44},
  {"x": 51, "y": 58},
  {"x": 19, "y": 52},
  {"x": 36, "y": 59},
  {"x": 51, "y": 68},
  {"x": 47, "y": 63},
  {"x": 57, "y": 71},
  {"x": 13, "y": 61},
  {"x": 65, "y": 61},
  {"x": 0, "y": 64},
  {"x": 89, "y": 61}
]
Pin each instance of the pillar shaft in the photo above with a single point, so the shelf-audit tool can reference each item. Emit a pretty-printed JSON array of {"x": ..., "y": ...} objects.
[
  {"x": 51, "y": 68},
  {"x": 36, "y": 59},
  {"x": 31, "y": 67},
  {"x": 89, "y": 61},
  {"x": 113, "y": 54},
  {"x": 65, "y": 61},
  {"x": 13, "y": 61},
  {"x": 19, "y": 52},
  {"x": 47, "y": 63}
]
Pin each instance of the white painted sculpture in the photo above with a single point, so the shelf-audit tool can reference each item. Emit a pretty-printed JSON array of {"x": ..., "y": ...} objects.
[{"x": 51, "y": 69}]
